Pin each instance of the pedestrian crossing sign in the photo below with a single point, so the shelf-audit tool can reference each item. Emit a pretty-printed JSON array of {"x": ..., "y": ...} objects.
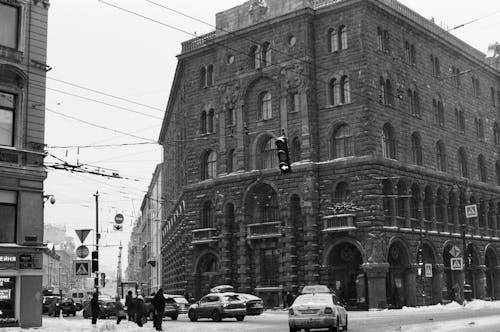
[
  {"x": 82, "y": 268},
  {"x": 456, "y": 263}
]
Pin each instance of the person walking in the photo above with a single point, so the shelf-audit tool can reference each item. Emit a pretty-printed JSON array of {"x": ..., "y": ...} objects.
[
  {"x": 130, "y": 304},
  {"x": 120, "y": 313},
  {"x": 140, "y": 311},
  {"x": 95, "y": 310},
  {"x": 159, "y": 309}
]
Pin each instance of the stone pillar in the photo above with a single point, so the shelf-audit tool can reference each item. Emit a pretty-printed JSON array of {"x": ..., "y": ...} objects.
[
  {"x": 243, "y": 263},
  {"x": 433, "y": 211},
  {"x": 456, "y": 226},
  {"x": 407, "y": 211},
  {"x": 437, "y": 283},
  {"x": 392, "y": 203},
  {"x": 496, "y": 282},
  {"x": 411, "y": 286},
  {"x": 312, "y": 268},
  {"x": 493, "y": 218},
  {"x": 376, "y": 275},
  {"x": 288, "y": 251},
  {"x": 481, "y": 282}
]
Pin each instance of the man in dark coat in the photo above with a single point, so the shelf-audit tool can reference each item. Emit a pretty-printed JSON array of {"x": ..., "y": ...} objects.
[
  {"x": 159, "y": 306},
  {"x": 95, "y": 310},
  {"x": 140, "y": 311},
  {"x": 130, "y": 304}
]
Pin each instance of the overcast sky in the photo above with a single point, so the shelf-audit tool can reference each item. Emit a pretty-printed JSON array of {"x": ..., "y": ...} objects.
[{"x": 99, "y": 47}]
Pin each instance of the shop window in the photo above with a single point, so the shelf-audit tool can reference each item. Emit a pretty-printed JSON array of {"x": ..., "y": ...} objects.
[
  {"x": 8, "y": 208},
  {"x": 7, "y": 300}
]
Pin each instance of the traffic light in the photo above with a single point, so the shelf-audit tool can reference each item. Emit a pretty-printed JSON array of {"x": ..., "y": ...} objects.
[
  {"x": 95, "y": 261},
  {"x": 420, "y": 256},
  {"x": 96, "y": 282},
  {"x": 103, "y": 279},
  {"x": 283, "y": 156}
]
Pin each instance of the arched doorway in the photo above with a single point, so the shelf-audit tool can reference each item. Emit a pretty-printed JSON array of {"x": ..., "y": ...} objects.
[
  {"x": 396, "y": 280},
  {"x": 345, "y": 275},
  {"x": 207, "y": 274},
  {"x": 491, "y": 263},
  {"x": 472, "y": 264},
  {"x": 427, "y": 289}
]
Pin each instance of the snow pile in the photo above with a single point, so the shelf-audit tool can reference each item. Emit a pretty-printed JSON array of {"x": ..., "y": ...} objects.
[{"x": 70, "y": 325}]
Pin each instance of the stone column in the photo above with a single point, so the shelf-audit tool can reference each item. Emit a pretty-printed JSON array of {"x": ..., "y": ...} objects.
[
  {"x": 243, "y": 263},
  {"x": 456, "y": 226},
  {"x": 496, "y": 282},
  {"x": 407, "y": 211},
  {"x": 411, "y": 286},
  {"x": 421, "y": 211},
  {"x": 493, "y": 218},
  {"x": 433, "y": 211},
  {"x": 311, "y": 268},
  {"x": 288, "y": 250},
  {"x": 392, "y": 203},
  {"x": 376, "y": 274},
  {"x": 481, "y": 282},
  {"x": 486, "y": 219},
  {"x": 437, "y": 283}
]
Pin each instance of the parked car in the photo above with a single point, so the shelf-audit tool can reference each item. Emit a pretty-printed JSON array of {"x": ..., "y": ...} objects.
[
  {"x": 313, "y": 289},
  {"x": 53, "y": 305},
  {"x": 171, "y": 308},
  {"x": 86, "y": 309},
  {"x": 222, "y": 289},
  {"x": 254, "y": 304},
  {"x": 148, "y": 304},
  {"x": 317, "y": 311},
  {"x": 181, "y": 302},
  {"x": 47, "y": 301},
  {"x": 218, "y": 306},
  {"x": 68, "y": 307},
  {"x": 109, "y": 308}
]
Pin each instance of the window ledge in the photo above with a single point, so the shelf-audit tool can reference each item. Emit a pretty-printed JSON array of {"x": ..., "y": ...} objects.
[{"x": 339, "y": 105}]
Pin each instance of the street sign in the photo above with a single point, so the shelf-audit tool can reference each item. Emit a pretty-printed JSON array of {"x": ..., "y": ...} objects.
[
  {"x": 82, "y": 251},
  {"x": 456, "y": 263},
  {"x": 82, "y": 268},
  {"x": 428, "y": 270},
  {"x": 82, "y": 234},
  {"x": 471, "y": 211},
  {"x": 117, "y": 227},
  {"x": 455, "y": 251},
  {"x": 119, "y": 218}
]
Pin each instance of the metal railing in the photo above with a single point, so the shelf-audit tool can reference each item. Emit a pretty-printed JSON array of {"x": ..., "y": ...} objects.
[
  {"x": 338, "y": 222},
  {"x": 197, "y": 42},
  {"x": 264, "y": 230},
  {"x": 204, "y": 235}
]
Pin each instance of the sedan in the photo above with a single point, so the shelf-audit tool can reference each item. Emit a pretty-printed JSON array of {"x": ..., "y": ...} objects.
[
  {"x": 255, "y": 305},
  {"x": 86, "y": 310},
  {"x": 218, "y": 306},
  {"x": 68, "y": 307},
  {"x": 317, "y": 311}
]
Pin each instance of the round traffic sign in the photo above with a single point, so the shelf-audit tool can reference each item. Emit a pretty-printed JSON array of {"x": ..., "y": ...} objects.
[
  {"x": 82, "y": 251},
  {"x": 119, "y": 218}
]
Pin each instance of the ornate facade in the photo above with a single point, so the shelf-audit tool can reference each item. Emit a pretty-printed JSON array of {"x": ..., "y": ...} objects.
[{"x": 387, "y": 147}]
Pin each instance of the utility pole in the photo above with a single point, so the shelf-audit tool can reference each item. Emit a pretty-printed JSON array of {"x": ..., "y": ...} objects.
[
  {"x": 119, "y": 272},
  {"x": 97, "y": 236}
]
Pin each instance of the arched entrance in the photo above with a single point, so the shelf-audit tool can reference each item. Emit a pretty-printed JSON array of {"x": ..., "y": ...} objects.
[
  {"x": 426, "y": 290},
  {"x": 345, "y": 275},
  {"x": 491, "y": 263},
  {"x": 397, "y": 277},
  {"x": 472, "y": 276},
  {"x": 207, "y": 274}
]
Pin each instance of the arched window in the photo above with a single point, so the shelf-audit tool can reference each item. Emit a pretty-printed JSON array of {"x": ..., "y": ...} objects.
[
  {"x": 407, "y": 52},
  {"x": 496, "y": 133},
  {"x": 380, "y": 43},
  {"x": 383, "y": 91},
  {"x": 296, "y": 150},
  {"x": 342, "y": 193},
  {"x": 415, "y": 198},
  {"x": 386, "y": 91},
  {"x": 203, "y": 122},
  {"x": 342, "y": 142},
  {"x": 440, "y": 114},
  {"x": 345, "y": 91},
  {"x": 268, "y": 156},
  {"x": 231, "y": 161},
  {"x": 203, "y": 77},
  {"x": 462, "y": 163},
  {"x": 342, "y": 37},
  {"x": 231, "y": 116},
  {"x": 332, "y": 40},
  {"x": 209, "y": 165},
  {"x": 413, "y": 102},
  {"x": 413, "y": 55},
  {"x": 400, "y": 203},
  {"x": 333, "y": 91},
  {"x": 480, "y": 128},
  {"x": 255, "y": 56},
  {"x": 387, "y": 192},
  {"x": 492, "y": 96},
  {"x": 416, "y": 149},
  {"x": 481, "y": 168},
  {"x": 210, "y": 75},
  {"x": 210, "y": 121},
  {"x": 266, "y": 54},
  {"x": 265, "y": 106},
  {"x": 440, "y": 156},
  {"x": 388, "y": 142},
  {"x": 207, "y": 215},
  {"x": 8, "y": 105},
  {"x": 386, "y": 42}
]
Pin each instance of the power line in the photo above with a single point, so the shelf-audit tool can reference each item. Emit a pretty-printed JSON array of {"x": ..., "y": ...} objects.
[
  {"x": 96, "y": 145},
  {"x": 106, "y": 94}
]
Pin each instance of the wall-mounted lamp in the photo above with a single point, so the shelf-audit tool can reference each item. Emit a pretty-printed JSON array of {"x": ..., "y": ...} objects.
[{"x": 50, "y": 198}]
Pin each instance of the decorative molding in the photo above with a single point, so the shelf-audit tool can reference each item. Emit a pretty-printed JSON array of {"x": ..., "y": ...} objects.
[{"x": 257, "y": 10}]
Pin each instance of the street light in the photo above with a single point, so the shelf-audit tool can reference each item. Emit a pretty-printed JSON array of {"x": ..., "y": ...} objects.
[{"x": 50, "y": 198}]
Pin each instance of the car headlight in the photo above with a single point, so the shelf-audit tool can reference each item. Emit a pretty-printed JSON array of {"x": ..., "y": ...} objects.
[{"x": 224, "y": 305}]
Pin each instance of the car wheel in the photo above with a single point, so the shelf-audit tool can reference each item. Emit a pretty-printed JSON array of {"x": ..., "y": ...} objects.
[
  {"x": 240, "y": 318},
  {"x": 336, "y": 327},
  {"x": 293, "y": 329},
  {"x": 192, "y": 316},
  {"x": 216, "y": 316},
  {"x": 174, "y": 317}
]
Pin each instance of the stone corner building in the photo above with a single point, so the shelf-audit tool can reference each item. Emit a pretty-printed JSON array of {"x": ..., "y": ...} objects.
[
  {"x": 392, "y": 126},
  {"x": 23, "y": 49}
]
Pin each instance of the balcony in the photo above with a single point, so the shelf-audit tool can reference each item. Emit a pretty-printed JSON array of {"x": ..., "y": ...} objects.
[
  {"x": 338, "y": 222},
  {"x": 264, "y": 230},
  {"x": 204, "y": 235}
]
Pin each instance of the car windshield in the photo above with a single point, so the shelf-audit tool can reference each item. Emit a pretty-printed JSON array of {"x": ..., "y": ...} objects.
[
  {"x": 313, "y": 298},
  {"x": 315, "y": 289},
  {"x": 180, "y": 300},
  {"x": 230, "y": 298}
]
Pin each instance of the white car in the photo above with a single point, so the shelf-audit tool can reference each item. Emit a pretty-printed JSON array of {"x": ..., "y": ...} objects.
[{"x": 317, "y": 311}]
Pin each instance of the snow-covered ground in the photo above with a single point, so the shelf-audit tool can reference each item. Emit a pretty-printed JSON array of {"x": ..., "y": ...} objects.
[{"x": 488, "y": 323}]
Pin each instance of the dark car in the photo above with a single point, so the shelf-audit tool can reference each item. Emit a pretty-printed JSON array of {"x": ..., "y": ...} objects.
[
  {"x": 171, "y": 307},
  {"x": 255, "y": 305},
  {"x": 47, "y": 300},
  {"x": 148, "y": 305},
  {"x": 68, "y": 307},
  {"x": 218, "y": 306},
  {"x": 86, "y": 309},
  {"x": 52, "y": 303},
  {"x": 109, "y": 308}
]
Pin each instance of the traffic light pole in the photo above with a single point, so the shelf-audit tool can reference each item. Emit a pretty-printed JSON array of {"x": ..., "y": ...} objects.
[{"x": 97, "y": 236}]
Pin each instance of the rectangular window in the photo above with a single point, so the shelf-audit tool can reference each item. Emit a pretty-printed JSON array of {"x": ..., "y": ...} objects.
[
  {"x": 8, "y": 204},
  {"x": 7, "y": 111},
  {"x": 9, "y": 25},
  {"x": 294, "y": 100}
]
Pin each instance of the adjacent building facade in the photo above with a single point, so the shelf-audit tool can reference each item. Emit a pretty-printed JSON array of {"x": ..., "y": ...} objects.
[
  {"x": 23, "y": 44},
  {"x": 393, "y": 127}
]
